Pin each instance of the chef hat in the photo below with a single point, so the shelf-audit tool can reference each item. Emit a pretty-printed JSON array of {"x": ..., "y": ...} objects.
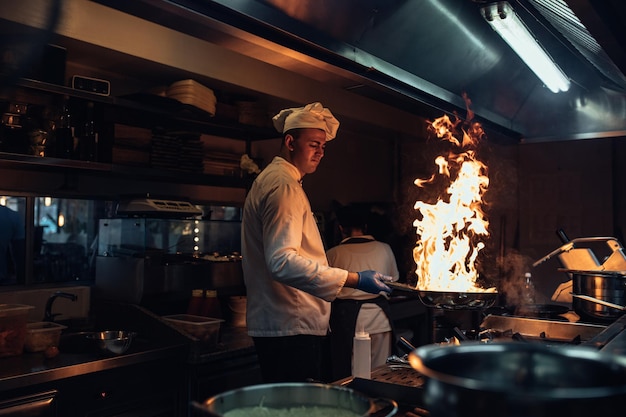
[{"x": 312, "y": 115}]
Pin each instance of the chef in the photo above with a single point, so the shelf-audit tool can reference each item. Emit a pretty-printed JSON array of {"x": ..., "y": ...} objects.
[{"x": 289, "y": 282}]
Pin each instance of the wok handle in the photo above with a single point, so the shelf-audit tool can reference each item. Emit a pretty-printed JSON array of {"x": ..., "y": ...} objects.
[{"x": 597, "y": 301}]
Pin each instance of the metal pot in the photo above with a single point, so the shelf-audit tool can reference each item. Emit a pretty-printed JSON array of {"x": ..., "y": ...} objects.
[
  {"x": 606, "y": 287},
  {"x": 511, "y": 379},
  {"x": 294, "y": 394}
]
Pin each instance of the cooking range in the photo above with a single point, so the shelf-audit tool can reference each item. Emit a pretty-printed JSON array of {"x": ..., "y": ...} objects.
[
  {"x": 400, "y": 382},
  {"x": 471, "y": 319}
]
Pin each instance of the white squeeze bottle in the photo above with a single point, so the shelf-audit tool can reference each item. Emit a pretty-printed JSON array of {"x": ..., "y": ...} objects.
[{"x": 362, "y": 355}]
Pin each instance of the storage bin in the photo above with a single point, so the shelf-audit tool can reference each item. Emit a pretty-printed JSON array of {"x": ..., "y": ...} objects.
[
  {"x": 204, "y": 329},
  {"x": 41, "y": 335},
  {"x": 13, "y": 318}
]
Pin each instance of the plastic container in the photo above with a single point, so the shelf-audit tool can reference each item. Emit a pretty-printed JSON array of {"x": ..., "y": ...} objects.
[
  {"x": 13, "y": 318},
  {"x": 41, "y": 335},
  {"x": 237, "y": 305},
  {"x": 204, "y": 329},
  {"x": 362, "y": 355}
]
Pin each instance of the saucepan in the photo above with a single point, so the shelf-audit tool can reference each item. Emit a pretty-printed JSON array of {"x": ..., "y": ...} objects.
[
  {"x": 300, "y": 399},
  {"x": 507, "y": 379}
]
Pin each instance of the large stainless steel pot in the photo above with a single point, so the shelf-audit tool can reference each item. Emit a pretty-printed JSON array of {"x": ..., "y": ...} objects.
[
  {"x": 295, "y": 394},
  {"x": 510, "y": 379},
  {"x": 599, "y": 289}
]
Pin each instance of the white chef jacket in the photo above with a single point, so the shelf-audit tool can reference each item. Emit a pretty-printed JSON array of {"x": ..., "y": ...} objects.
[
  {"x": 373, "y": 255},
  {"x": 288, "y": 281}
]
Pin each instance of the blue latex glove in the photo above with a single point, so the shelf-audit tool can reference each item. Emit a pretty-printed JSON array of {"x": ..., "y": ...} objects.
[{"x": 373, "y": 282}]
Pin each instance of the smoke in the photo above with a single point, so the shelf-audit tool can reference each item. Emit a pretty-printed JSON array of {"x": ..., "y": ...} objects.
[{"x": 512, "y": 286}]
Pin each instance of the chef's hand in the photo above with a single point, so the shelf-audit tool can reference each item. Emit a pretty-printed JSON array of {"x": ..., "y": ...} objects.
[{"x": 373, "y": 282}]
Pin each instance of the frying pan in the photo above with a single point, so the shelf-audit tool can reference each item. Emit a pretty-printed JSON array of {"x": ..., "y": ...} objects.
[{"x": 450, "y": 299}]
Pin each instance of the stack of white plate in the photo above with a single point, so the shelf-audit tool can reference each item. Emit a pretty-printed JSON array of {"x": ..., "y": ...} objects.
[{"x": 193, "y": 93}]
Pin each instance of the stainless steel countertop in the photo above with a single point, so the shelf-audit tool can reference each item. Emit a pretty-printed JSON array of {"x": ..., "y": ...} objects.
[{"x": 155, "y": 341}]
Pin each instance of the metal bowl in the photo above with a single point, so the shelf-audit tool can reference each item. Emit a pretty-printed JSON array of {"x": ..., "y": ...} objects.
[{"x": 114, "y": 342}]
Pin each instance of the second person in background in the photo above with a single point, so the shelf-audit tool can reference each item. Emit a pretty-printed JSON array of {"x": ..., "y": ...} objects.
[{"x": 354, "y": 309}]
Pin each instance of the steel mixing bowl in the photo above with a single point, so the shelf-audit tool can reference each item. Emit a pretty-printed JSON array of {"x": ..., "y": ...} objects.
[{"x": 114, "y": 342}]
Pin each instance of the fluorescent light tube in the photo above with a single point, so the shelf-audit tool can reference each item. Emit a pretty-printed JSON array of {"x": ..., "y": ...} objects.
[{"x": 507, "y": 24}]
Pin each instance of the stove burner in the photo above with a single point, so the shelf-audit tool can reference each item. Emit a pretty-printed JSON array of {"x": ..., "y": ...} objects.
[{"x": 537, "y": 330}]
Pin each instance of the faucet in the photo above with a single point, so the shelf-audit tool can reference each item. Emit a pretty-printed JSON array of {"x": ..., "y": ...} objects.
[{"x": 48, "y": 316}]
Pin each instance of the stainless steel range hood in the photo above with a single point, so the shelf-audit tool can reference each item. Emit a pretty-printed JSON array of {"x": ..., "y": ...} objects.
[{"x": 422, "y": 55}]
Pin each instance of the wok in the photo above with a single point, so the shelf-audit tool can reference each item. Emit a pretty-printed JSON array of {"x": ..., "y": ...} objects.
[{"x": 450, "y": 299}]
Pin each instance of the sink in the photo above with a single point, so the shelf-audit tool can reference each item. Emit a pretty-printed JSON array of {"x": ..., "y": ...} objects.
[
  {"x": 77, "y": 324},
  {"x": 78, "y": 342}
]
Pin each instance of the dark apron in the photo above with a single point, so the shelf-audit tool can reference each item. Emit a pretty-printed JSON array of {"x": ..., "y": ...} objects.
[{"x": 343, "y": 316}]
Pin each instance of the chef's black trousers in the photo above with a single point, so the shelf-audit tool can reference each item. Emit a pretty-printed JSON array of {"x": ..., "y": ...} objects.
[{"x": 300, "y": 358}]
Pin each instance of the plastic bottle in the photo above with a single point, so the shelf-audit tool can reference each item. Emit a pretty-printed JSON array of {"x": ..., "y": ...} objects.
[
  {"x": 362, "y": 355},
  {"x": 529, "y": 289},
  {"x": 211, "y": 305},
  {"x": 64, "y": 133},
  {"x": 195, "y": 303},
  {"x": 87, "y": 148}
]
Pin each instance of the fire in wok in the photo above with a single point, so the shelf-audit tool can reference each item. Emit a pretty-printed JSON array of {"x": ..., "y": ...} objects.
[{"x": 451, "y": 231}]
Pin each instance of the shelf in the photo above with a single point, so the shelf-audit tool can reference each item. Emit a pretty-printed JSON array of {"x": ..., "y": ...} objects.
[
  {"x": 14, "y": 160},
  {"x": 46, "y": 164},
  {"x": 180, "y": 176},
  {"x": 139, "y": 108},
  {"x": 165, "y": 109}
]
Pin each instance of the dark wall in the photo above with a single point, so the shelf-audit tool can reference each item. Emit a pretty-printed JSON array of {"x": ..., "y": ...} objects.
[
  {"x": 535, "y": 189},
  {"x": 573, "y": 185}
]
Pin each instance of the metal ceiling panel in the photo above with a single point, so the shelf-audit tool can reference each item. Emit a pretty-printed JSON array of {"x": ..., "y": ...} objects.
[
  {"x": 424, "y": 55},
  {"x": 558, "y": 13}
]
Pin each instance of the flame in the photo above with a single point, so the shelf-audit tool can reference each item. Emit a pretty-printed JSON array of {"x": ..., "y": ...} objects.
[{"x": 451, "y": 231}]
